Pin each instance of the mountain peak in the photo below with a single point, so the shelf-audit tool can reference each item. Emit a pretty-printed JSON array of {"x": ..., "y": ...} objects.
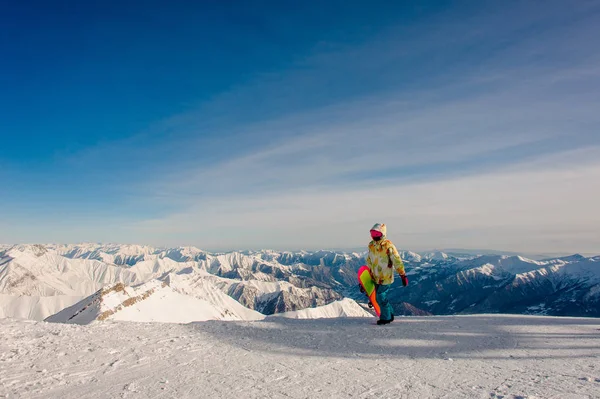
[{"x": 154, "y": 301}]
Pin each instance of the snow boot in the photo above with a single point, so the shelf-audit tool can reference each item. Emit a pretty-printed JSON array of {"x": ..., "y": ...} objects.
[{"x": 381, "y": 322}]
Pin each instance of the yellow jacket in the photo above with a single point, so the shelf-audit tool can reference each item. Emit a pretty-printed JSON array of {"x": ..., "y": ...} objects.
[{"x": 383, "y": 258}]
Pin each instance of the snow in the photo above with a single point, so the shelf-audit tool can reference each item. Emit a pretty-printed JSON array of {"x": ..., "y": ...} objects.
[
  {"x": 344, "y": 308},
  {"x": 263, "y": 290},
  {"x": 153, "y": 268},
  {"x": 483, "y": 356},
  {"x": 586, "y": 268},
  {"x": 272, "y": 287},
  {"x": 34, "y": 307},
  {"x": 437, "y": 255},
  {"x": 411, "y": 256},
  {"x": 37, "y": 282},
  {"x": 155, "y": 301},
  {"x": 508, "y": 264},
  {"x": 201, "y": 286},
  {"x": 36, "y": 271},
  {"x": 120, "y": 254}
]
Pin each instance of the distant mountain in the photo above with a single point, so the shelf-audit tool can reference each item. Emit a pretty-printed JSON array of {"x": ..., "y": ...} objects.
[
  {"x": 406, "y": 309},
  {"x": 272, "y": 282},
  {"x": 505, "y": 284},
  {"x": 277, "y": 296},
  {"x": 35, "y": 270},
  {"x": 116, "y": 254},
  {"x": 342, "y": 308}
]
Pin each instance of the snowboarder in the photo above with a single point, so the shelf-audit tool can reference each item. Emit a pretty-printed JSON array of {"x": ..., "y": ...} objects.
[{"x": 382, "y": 259}]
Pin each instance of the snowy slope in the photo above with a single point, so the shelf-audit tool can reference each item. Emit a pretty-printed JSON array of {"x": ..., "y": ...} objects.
[
  {"x": 277, "y": 296},
  {"x": 344, "y": 308},
  {"x": 184, "y": 254},
  {"x": 410, "y": 256},
  {"x": 34, "y": 307},
  {"x": 504, "y": 264},
  {"x": 588, "y": 269},
  {"x": 436, "y": 256},
  {"x": 202, "y": 286},
  {"x": 34, "y": 270},
  {"x": 154, "y": 301},
  {"x": 509, "y": 357},
  {"x": 118, "y": 254},
  {"x": 159, "y": 267}
]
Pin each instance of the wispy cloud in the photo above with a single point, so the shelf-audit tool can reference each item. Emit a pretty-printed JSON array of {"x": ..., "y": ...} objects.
[
  {"x": 399, "y": 138},
  {"x": 528, "y": 207},
  {"x": 470, "y": 162},
  {"x": 476, "y": 130}
]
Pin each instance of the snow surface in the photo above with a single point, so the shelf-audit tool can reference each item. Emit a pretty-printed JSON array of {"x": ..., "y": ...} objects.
[
  {"x": 483, "y": 356},
  {"x": 343, "y": 308}
]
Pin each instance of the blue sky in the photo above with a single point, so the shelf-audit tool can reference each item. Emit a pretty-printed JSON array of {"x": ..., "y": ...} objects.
[{"x": 282, "y": 125}]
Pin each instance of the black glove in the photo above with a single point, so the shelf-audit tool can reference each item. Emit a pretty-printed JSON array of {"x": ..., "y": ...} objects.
[{"x": 404, "y": 280}]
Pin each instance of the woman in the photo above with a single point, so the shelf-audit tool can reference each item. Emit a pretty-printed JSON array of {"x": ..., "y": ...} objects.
[{"x": 382, "y": 259}]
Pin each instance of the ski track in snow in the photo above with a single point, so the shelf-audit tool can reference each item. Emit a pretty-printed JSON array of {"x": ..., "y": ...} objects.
[{"x": 483, "y": 356}]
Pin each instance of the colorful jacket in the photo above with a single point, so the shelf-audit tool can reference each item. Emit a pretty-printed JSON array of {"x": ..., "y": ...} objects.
[{"x": 383, "y": 258}]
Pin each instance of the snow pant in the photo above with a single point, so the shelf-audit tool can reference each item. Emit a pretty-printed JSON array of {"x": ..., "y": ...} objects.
[{"x": 382, "y": 300}]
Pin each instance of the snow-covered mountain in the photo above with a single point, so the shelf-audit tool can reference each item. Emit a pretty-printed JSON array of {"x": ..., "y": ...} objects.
[
  {"x": 436, "y": 256},
  {"x": 38, "y": 279},
  {"x": 34, "y": 307},
  {"x": 155, "y": 301},
  {"x": 343, "y": 308},
  {"x": 505, "y": 284},
  {"x": 278, "y": 296},
  {"x": 36, "y": 282},
  {"x": 35, "y": 270},
  {"x": 116, "y": 254}
]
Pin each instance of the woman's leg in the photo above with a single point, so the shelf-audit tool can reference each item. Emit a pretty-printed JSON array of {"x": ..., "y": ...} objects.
[{"x": 384, "y": 304}]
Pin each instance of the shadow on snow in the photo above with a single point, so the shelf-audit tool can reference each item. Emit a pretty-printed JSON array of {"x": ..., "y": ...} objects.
[{"x": 481, "y": 337}]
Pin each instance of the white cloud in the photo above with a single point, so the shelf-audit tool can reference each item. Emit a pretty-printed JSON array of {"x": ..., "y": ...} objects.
[
  {"x": 504, "y": 167},
  {"x": 369, "y": 137},
  {"x": 525, "y": 208}
]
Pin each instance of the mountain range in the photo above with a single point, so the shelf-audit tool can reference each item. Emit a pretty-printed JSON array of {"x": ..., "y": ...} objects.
[{"x": 38, "y": 281}]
